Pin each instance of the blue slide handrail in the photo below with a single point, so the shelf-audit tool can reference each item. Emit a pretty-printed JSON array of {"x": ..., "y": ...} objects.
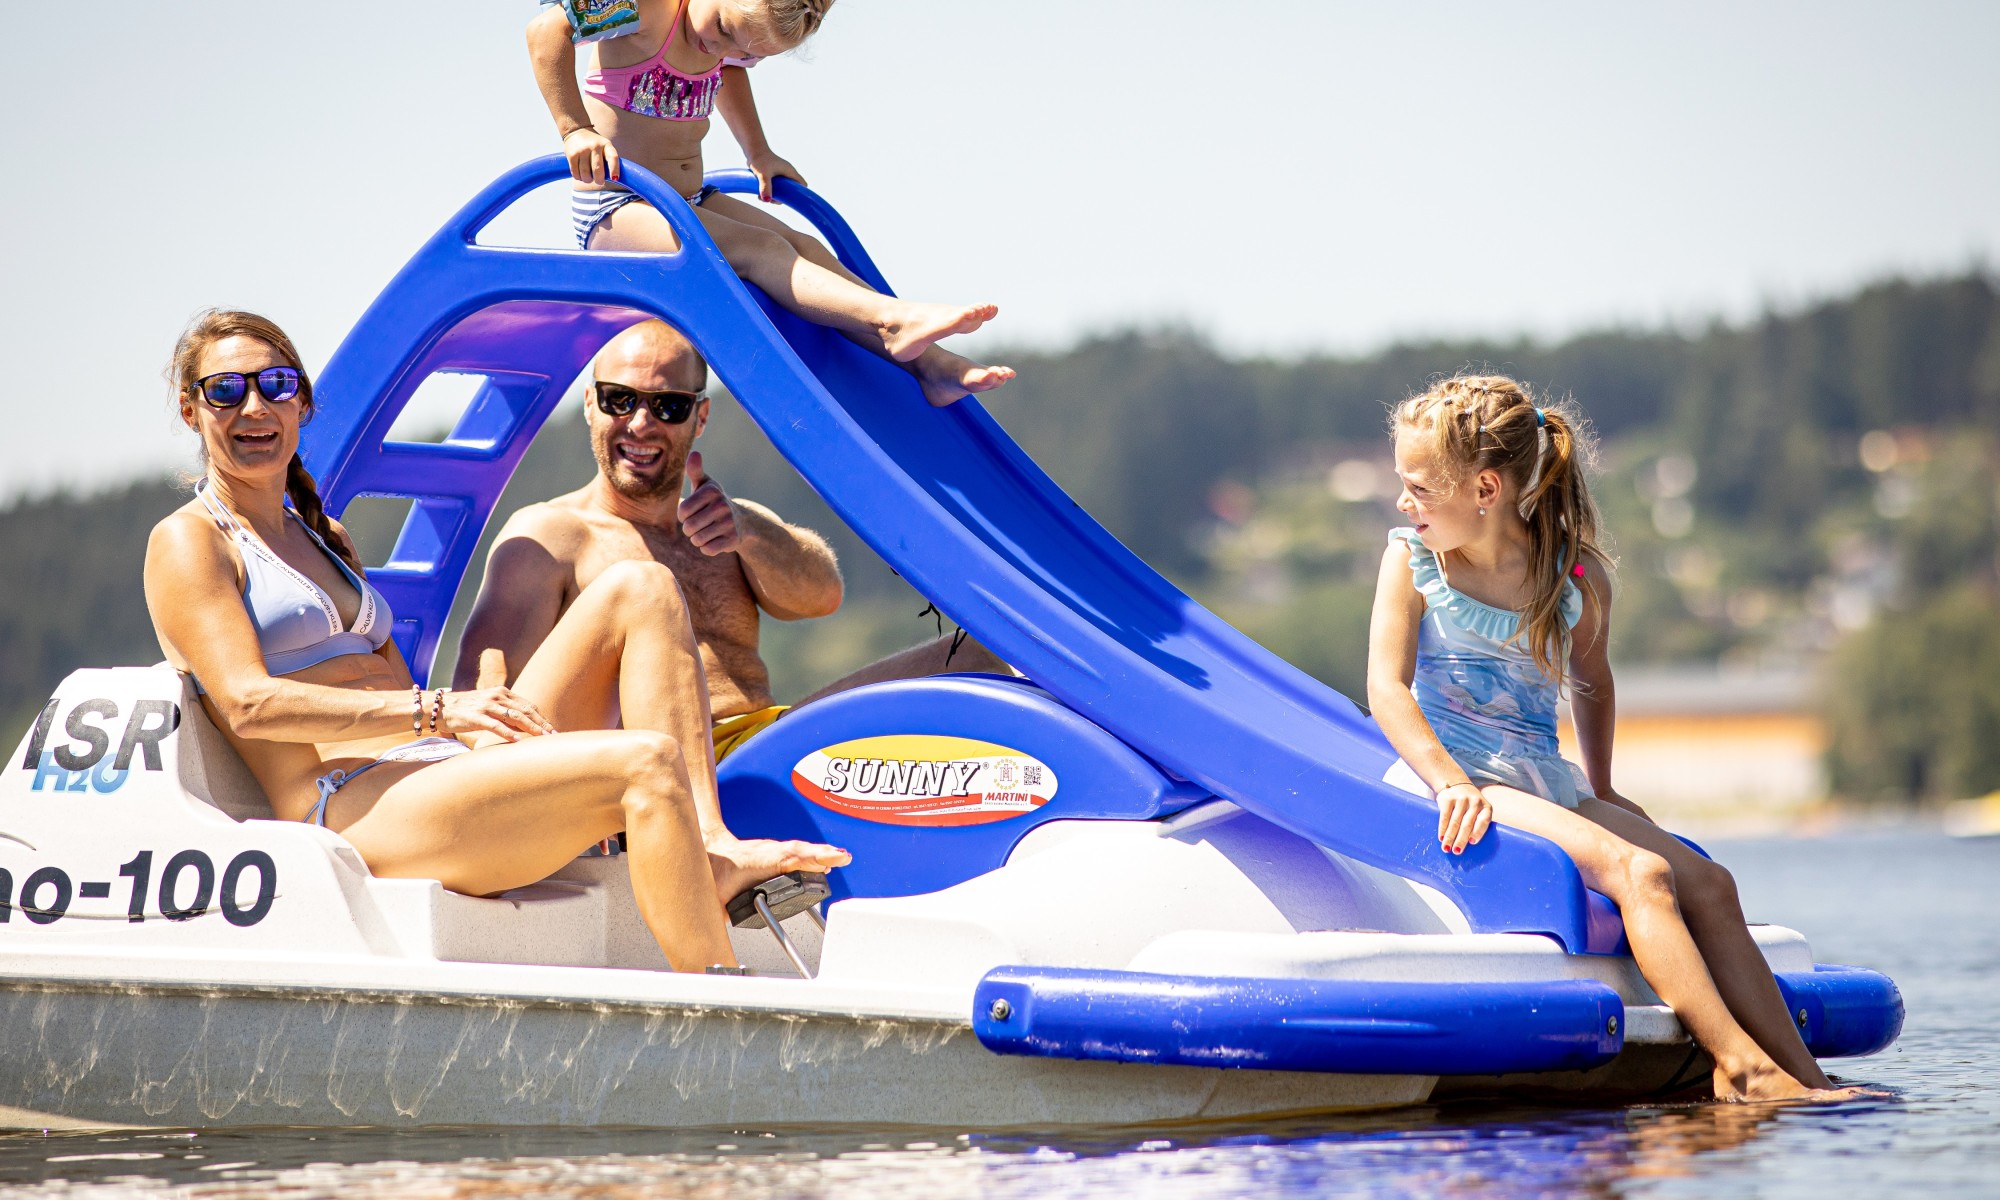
[{"x": 943, "y": 495}]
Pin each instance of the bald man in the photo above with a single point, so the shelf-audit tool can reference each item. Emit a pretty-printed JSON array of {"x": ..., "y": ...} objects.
[{"x": 733, "y": 558}]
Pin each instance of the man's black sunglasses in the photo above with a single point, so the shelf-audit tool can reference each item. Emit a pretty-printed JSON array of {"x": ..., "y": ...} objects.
[
  {"x": 617, "y": 400},
  {"x": 227, "y": 389}
]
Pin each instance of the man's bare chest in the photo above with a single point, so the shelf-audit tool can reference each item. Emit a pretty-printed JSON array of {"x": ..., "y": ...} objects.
[{"x": 720, "y": 603}]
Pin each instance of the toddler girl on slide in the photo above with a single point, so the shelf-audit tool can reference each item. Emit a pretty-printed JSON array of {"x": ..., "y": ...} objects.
[
  {"x": 657, "y": 69},
  {"x": 1494, "y": 595}
]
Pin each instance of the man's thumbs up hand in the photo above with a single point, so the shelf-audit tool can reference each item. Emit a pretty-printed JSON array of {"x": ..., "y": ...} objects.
[{"x": 706, "y": 516}]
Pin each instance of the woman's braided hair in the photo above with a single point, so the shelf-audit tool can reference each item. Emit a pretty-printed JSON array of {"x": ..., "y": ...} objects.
[
  {"x": 212, "y": 325},
  {"x": 1474, "y": 423}
]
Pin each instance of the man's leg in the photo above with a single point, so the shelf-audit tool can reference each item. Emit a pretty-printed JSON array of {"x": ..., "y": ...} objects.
[
  {"x": 931, "y": 658},
  {"x": 625, "y": 654}
]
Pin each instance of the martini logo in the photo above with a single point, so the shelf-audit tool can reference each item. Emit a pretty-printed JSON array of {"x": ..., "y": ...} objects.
[{"x": 924, "y": 779}]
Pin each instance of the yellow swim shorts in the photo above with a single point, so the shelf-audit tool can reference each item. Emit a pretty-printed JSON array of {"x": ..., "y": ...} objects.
[{"x": 731, "y": 732}]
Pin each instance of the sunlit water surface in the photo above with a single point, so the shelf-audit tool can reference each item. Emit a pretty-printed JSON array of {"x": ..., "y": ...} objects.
[{"x": 1921, "y": 907}]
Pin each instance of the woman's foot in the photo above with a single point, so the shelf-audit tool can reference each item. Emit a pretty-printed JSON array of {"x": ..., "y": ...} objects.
[
  {"x": 914, "y": 327},
  {"x": 947, "y": 377},
  {"x": 739, "y": 864}
]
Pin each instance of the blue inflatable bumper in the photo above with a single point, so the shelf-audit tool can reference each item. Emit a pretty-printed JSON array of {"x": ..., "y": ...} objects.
[
  {"x": 1367, "y": 1027},
  {"x": 1843, "y": 1012},
  {"x": 1333, "y": 1025}
]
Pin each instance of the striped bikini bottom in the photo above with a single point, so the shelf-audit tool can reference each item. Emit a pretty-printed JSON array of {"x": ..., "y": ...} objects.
[{"x": 587, "y": 210}]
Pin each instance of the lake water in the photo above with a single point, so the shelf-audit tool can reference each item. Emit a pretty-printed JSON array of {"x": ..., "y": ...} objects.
[{"x": 1916, "y": 905}]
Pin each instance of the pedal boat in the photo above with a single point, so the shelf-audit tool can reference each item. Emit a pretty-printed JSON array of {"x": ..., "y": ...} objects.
[{"x": 1164, "y": 877}]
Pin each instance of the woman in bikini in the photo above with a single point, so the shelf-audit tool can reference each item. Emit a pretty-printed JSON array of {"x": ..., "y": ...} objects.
[
  {"x": 652, "y": 106},
  {"x": 257, "y": 593}
]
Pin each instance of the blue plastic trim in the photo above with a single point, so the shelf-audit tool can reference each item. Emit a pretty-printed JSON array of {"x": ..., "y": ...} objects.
[
  {"x": 1333, "y": 1025},
  {"x": 1848, "y": 1011}
]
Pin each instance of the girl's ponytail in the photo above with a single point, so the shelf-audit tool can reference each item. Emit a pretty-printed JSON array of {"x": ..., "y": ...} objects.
[{"x": 1562, "y": 532}]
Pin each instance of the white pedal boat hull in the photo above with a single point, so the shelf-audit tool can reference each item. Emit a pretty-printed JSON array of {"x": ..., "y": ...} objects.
[{"x": 326, "y": 996}]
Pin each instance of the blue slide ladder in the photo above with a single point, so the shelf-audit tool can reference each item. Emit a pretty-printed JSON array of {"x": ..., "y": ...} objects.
[{"x": 945, "y": 496}]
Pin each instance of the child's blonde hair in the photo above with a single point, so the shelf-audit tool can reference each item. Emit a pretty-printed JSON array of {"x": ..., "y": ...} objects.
[
  {"x": 1473, "y": 423},
  {"x": 789, "y": 21}
]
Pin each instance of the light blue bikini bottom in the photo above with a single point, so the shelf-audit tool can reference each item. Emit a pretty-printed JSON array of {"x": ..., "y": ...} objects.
[{"x": 423, "y": 750}]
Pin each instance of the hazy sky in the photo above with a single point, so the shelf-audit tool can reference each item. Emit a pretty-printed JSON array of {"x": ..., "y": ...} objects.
[{"x": 1287, "y": 175}]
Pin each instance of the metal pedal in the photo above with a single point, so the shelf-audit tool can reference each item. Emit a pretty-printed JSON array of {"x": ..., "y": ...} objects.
[
  {"x": 785, "y": 896},
  {"x": 766, "y": 905}
]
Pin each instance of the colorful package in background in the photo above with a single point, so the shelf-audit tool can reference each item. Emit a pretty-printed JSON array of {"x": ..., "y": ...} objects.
[{"x": 595, "y": 20}]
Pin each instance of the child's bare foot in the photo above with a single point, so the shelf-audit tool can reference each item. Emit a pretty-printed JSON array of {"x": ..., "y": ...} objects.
[
  {"x": 738, "y": 864},
  {"x": 916, "y": 326},
  {"x": 1766, "y": 1083},
  {"x": 946, "y": 376}
]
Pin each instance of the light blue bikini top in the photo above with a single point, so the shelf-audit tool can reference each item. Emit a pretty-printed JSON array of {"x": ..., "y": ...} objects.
[{"x": 297, "y": 623}]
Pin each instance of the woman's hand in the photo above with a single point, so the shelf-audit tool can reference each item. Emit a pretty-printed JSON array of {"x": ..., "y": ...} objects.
[
  {"x": 592, "y": 157},
  {"x": 499, "y": 710},
  {"x": 1464, "y": 813},
  {"x": 769, "y": 168}
]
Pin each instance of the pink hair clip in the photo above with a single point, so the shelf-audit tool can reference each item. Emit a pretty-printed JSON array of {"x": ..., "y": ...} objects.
[{"x": 1577, "y": 570}]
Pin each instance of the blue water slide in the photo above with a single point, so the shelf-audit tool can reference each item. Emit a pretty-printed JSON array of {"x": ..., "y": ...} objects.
[{"x": 943, "y": 495}]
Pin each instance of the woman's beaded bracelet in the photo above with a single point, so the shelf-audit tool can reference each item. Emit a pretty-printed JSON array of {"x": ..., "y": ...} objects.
[
  {"x": 437, "y": 709},
  {"x": 417, "y": 709}
]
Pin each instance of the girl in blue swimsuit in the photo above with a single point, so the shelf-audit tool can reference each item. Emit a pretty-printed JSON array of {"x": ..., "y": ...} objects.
[
  {"x": 1495, "y": 596},
  {"x": 257, "y": 593}
]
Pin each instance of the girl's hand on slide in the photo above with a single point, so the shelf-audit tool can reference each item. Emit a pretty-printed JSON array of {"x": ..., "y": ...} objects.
[
  {"x": 492, "y": 710},
  {"x": 769, "y": 168},
  {"x": 592, "y": 157},
  {"x": 1464, "y": 814}
]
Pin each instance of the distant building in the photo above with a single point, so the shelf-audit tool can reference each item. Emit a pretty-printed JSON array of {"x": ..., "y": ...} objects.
[{"x": 1716, "y": 747}]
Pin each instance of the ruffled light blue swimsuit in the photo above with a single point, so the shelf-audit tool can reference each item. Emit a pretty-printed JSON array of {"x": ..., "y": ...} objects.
[{"x": 1491, "y": 706}]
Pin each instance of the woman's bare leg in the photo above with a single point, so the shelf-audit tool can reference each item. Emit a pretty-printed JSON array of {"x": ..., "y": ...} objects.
[
  {"x": 792, "y": 267},
  {"x": 507, "y": 815},
  {"x": 624, "y": 654},
  {"x": 1641, "y": 881},
  {"x": 1714, "y": 917}
]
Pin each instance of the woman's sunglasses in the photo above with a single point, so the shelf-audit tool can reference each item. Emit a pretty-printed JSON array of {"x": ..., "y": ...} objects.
[
  {"x": 617, "y": 400},
  {"x": 227, "y": 389}
]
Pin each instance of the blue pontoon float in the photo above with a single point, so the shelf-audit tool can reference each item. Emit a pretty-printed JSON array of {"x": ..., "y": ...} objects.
[{"x": 1160, "y": 877}]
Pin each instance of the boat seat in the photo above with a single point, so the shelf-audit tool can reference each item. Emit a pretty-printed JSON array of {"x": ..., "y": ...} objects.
[{"x": 210, "y": 768}]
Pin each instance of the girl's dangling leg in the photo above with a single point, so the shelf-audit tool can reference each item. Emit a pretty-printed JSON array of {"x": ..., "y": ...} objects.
[
  {"x": 1708, "y": 903},
  {"x": 1642, "y": 884},
  {"x": 945, "y": 376},
  {"x": 800, "y": 273}
]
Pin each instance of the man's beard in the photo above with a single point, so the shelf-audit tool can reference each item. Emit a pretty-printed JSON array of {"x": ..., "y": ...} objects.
[{"x": 634, "y": 487}]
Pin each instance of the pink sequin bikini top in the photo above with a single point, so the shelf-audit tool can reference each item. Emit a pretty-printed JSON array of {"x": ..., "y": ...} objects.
[{"x": 654, "y": 88}]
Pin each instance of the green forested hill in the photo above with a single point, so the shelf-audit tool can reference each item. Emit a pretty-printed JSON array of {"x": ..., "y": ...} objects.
[{"x": 1816, "y": 483}]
